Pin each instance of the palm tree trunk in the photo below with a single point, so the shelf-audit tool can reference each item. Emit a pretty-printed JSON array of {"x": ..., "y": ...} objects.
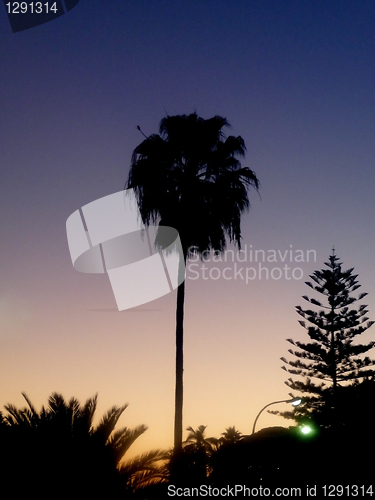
[
  {"x": 179, "y": 360},
  {"x": 179, "y": 368}
]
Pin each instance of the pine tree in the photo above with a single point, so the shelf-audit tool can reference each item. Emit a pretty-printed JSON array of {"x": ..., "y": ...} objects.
[{"x": 331, "y": 361}]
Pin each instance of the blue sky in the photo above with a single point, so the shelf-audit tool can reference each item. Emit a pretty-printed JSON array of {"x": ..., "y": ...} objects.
[{"x": 295, "y": 79}]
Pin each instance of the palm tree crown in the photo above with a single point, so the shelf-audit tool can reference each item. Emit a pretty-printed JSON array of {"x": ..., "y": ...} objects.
[
  {"x": 230, "y": 436},
  {"x": 63, "y": 447},
  {"x": 189, "y": 177},
  {"x": 198, "y": 442}
]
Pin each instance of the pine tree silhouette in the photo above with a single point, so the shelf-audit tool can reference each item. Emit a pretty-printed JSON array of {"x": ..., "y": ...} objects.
[{"x": 331, "y": 360}]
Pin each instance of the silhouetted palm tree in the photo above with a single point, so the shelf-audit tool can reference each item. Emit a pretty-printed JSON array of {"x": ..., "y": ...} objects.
[
  {"x": 230, "y": 436},
  {"x": 227, "y": 461},
  {"x": 189, "y": 178},
  {"x": 197, "y": 452},
  {"x": 66, "y": 448},
  {"x": 197, "y": 441}
]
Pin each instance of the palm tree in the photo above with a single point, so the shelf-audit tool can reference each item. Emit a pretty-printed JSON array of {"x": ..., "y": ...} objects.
[
  {"x": 230, "y": 436},
  {"x": 66, "y": 448},
  {"x": 197, "y": 441},
  {"x": 197, "y": 453},
  {"x": 228, "y": 461},
  {"x": 189, "y": 178}
]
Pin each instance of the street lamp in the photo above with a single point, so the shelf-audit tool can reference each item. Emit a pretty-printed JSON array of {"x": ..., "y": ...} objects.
[{"x": 294, "y": 402}]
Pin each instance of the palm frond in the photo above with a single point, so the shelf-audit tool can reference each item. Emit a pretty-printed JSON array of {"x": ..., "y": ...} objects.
[
  {"x": 121, "y": 440},
  {"x": 146, "y": 469},
  {"x": 108, "y": 422}
]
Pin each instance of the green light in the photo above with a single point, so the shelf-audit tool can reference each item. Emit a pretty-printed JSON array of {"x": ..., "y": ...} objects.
[{"x": 305, "y": 429}]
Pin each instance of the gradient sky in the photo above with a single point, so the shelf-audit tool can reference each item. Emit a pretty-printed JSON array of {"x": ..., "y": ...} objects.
[{"x": 295, "y": 79}]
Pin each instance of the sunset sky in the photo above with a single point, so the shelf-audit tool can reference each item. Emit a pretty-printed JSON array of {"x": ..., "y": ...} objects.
[{"x": 296, "y": 80}]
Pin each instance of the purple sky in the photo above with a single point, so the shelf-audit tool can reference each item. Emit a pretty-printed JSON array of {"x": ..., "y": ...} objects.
[{"x": 295, "y": 79}]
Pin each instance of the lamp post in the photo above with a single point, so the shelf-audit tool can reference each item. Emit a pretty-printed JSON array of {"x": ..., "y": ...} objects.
[{"x": 294, "y": 402}]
